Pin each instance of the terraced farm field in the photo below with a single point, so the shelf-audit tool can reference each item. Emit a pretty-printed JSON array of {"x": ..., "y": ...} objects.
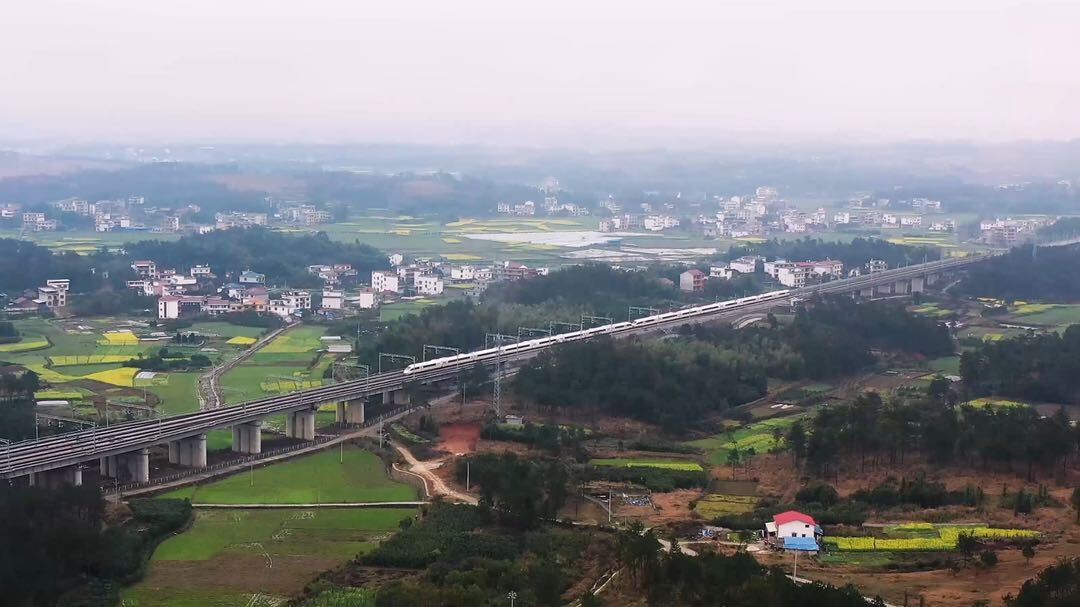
[{"x": 758, "y": 436}]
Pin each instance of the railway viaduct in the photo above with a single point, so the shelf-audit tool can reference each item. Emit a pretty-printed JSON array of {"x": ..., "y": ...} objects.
[{"x": 121, "y": 451}]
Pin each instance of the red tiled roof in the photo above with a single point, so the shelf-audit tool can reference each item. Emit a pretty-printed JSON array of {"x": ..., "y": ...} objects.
[{"x": 793, "y": 516}]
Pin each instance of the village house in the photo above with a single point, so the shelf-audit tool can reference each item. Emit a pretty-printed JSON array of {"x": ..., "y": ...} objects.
[
  {"x": 793, "y": 525},
  {"x": 692, "y": 280}
]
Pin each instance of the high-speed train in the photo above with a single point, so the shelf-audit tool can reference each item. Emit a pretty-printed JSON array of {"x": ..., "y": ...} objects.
[{"x": 612, "y": 329}]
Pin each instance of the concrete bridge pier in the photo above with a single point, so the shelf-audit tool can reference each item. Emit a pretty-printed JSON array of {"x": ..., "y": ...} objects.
[
  {"x": 247, "y": 438},
  {"x": 57, "y": 477},
  {"x": 351, "y": 412},
  {"x": 867, "y": 292},
  {"x": 107, "y": 466},
  {"x": 918, "y": 284},
  {"x": 902, "y": 287},
  {"x": 189, "y": 451},
  {"x": 395, "y": 397},
  {"x": 300, "y": 424},
  {"x": 137, "y": 465}
]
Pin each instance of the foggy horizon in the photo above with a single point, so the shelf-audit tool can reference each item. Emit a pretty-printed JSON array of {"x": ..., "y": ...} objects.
[{"x": 602, "y": 75}]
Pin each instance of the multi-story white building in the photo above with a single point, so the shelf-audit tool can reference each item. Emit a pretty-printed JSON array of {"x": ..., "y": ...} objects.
[
  {"x": 828, "y": 267},
  {"x": 145, "y": 268},
  {"x": 463, "y": 273},
  {"x": 746, "y": 264},
  {"x": 168, "y": 307},
  {"x": 724, "y": 272},
  {"x": 382, "y": 282},
  {"x": 54, "y": 294},
  {"x": 792, "y": 275},
  {"x": 367, "y": 299},
  {"x": 332, "y": 300},
  {"x": 656, "y": 223},
  {"x": 428, "y": 284}
]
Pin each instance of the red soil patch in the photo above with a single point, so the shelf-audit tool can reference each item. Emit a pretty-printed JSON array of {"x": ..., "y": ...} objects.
[{"x": 459, "y": 438}]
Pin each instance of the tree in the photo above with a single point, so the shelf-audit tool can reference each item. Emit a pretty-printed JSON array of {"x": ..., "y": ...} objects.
[
  {"x": 733, "y": 460},
  {"x": 1055, "y": 586},
  {"x": 1028, "y": 551},
  {"x": 967, "y": 545},
  {"x": 589, "y": 600},
  {"x": 796, "y": 438},
  {"x": 1075, "y": 500}
]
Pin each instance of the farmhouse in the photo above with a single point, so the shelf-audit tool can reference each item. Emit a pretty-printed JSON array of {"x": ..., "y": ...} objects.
[
  {"x": 692, "y": 280},
  {"x": 793, "y": 528}
]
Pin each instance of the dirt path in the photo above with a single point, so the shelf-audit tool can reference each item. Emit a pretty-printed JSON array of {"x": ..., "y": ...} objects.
[
  {"x": 424, "y": 469},
  {"x": 209, "y": 391}
]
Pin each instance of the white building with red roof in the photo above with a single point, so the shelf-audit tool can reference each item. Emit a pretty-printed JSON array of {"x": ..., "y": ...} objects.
[{"x": 791, "y": 524}]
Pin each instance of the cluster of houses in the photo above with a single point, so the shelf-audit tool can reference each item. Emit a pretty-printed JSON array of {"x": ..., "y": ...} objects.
[
  {"x": 431, "y": 277},
  {"x": 181, "y": 295},
  {"x": 132, "y": 213},
  {"x": 53, "y": 296},
  {"x": 197, "y": 292},
  {"x": 1008, "y": 231},
  {"x": 792, "y": 274}
]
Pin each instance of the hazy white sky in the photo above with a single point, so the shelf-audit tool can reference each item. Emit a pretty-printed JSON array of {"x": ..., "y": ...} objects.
[{"x": 583, "y": 71}]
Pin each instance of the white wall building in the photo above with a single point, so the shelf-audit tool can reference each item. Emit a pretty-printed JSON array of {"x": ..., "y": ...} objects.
[
  {"x": 332, "y": 300},
  {"x": 463, "y": 273},
  {"x": 385, "y": 281},
  {"x": 746, "y": 264},
  {"x": 793, "y": 276},
  {"x": 367, "y": 299},
  {"x": 724, "y": 272},
  {"x": 169, "y": 307},
  {"x": 429, "y": 284}
]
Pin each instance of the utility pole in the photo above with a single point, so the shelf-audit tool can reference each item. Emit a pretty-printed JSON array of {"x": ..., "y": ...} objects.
[{"x": 497, "y": 396}]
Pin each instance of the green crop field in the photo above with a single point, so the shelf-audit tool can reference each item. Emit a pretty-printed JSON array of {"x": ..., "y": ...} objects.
[
  {"x": 225, "y": 330},
  {"x": 1058, "y": 315},
  {"x": 923, "y": 537},
  {"x": 178, "y": 395},
  {"x": 948, "y": 365},
  {"x": 720, "y": 504},
  {"x": 669, "y": 464},
  {"x": 758, "y": 436},
  {"x": 996, "y": 402},
  {"x": 236, "y": 557},
  {"x": 281, "y": 366},
  {"x": 312, "y": 479},
  {"x": 396, "y": 310}
]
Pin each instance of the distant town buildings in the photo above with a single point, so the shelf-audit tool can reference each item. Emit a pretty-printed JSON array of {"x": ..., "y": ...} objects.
[
  {"x": 248, "y": 277},
  {"x": 1008, "y": 231}
]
